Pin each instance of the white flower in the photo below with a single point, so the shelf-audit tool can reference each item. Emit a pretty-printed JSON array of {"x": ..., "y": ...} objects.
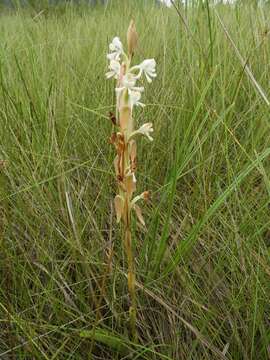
[
  {"x": 117, "y": 49},
  {"x": 134, "y": 98},
  {"x": 134, "y": 92},
  {"x": 148, "y": 67},
  {"x": 116, "y": 45},
  {"x": 128, "y": 82},
  {"x": 114, "y": 68},
  {"x": 145, "y": 130}
]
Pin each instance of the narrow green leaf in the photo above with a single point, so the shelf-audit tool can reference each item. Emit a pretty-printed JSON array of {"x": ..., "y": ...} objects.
[
  {"x": 104, "y": 337},
  {"x": 189, "y": 242}
]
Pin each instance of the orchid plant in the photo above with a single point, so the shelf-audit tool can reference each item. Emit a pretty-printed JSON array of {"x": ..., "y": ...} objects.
[{"x": 128, "y": 95}]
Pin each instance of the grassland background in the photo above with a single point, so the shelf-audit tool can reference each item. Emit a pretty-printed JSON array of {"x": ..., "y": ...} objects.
[{"x": 202, "y": 262}]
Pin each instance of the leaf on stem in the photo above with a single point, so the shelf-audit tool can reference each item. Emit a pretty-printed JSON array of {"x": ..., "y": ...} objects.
[
  {"x": 130, "y": 183},
  {"x": 138, "y": 212},
  {"x": 119, "y": 207}
]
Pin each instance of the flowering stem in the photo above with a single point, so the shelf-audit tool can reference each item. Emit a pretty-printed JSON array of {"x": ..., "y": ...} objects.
[
  {"x": 127, "y": 230},
  {"x": 128, "y": 95},
  {"x": 131, "y": 275}
]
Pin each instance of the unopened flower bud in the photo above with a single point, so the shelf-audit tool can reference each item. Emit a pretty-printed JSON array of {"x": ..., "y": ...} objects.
[{"x": 132, "y": 38}]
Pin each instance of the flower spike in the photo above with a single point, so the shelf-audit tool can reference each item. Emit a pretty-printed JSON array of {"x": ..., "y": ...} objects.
[{"x": 128, "y": 91}]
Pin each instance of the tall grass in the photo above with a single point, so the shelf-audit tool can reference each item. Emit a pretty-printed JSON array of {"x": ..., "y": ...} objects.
[{"x": 203, "y": 264}]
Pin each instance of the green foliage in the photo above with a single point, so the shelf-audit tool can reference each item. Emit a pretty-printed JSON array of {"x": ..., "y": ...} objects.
[{"x": 202, "y": 263}]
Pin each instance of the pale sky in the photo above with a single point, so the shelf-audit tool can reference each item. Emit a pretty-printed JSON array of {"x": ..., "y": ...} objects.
[{"x": 168, "y": 2}]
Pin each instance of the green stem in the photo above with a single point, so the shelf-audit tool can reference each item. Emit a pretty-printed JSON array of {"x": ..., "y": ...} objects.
[{"x": 131, "y": 274}]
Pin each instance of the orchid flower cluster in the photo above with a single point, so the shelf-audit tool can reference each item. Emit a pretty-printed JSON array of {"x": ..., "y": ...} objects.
[
  {"x": 127, "y": 79},
  {"x": 128, "y": 95}
]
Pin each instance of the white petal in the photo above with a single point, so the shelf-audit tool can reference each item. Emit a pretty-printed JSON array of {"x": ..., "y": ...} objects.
[
  {"x": 119, "y": 89},
  {"x": 117, "y": 44},
  {"x": 148, "y": 78},
  {"x": 129, "y": 81},
  {"x": 140, "y": 104},
  {"x": 138, "y": 88},
  {"x": 134, "y": 97},
  {"x": 113, "y": 56},
  {"x": 109, "y": 74}
]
